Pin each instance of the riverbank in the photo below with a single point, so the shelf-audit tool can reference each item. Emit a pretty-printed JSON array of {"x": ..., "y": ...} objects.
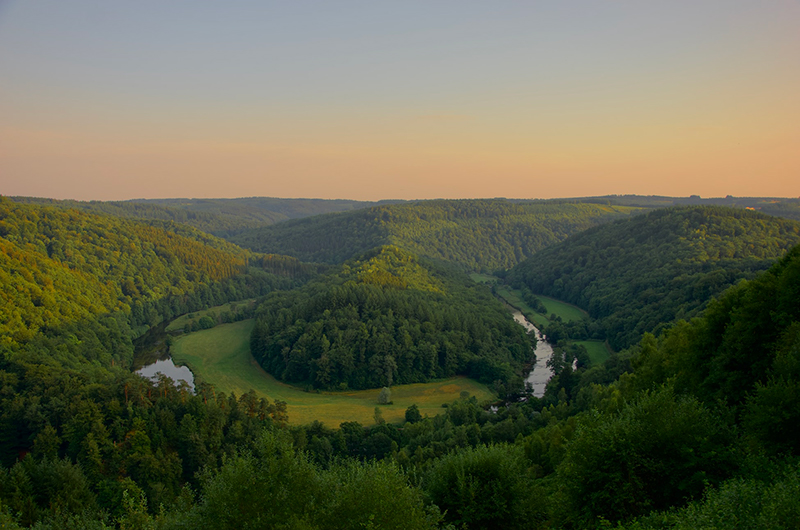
[{"x": 540, "y": 373}]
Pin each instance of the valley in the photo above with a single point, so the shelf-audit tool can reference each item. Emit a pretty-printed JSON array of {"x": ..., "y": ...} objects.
[{"x": 373, "y": 364}]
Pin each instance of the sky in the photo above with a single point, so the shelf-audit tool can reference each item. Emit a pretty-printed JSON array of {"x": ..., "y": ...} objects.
[{"x": 420, "y": 99}]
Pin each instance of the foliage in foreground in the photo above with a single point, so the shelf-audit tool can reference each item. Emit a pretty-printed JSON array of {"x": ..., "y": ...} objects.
[
  {"x": 272, "y": 486},
  {"x": 750, "y": 503}
]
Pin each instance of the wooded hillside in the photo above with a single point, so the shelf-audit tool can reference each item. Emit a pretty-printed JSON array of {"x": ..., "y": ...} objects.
[
  {"x": 642, "y": 273},
  {"x": 221, "y": 217},
  {"x": 476, "y": 234}
]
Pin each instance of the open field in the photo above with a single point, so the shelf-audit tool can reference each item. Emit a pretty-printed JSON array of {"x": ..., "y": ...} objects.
[
  {"x": 181, "y": 321},
  {"x": 597, "y": 350},
  {"x": 221, "y": 356}
]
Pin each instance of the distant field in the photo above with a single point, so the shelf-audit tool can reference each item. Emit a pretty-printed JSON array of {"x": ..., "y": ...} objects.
[
  {"x": 597, "y": 350},
  {"x": 221, "y": 356},
  {"x": 181, "y": 321},
  {"x": 482, "y": 278}
]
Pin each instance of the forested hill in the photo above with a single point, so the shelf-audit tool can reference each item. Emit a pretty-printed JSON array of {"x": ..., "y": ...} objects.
[
  {"x": 477, "y": 234},
  {"x": 59, "y": 266},
  {"x": 221, "y": 217},
  {"x": 388, "y": 318},
  {"x": 640, "y": 274}
]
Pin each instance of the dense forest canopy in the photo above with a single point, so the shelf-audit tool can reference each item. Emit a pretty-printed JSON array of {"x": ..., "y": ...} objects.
[
  {"x": 638, "y": 274},
  {"x": 221, "y": 217},
  {"x": 476, "y": 234},
  {"x": 388, "y": 318},
  {"x": 63, "y": 265}
]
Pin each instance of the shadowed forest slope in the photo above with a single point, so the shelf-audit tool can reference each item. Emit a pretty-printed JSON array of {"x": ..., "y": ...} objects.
[
  {"x": 476, "y": 234},
  {"x": 640, "y": 274}
]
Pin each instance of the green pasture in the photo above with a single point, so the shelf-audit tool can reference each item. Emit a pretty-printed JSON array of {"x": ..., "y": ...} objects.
[
  {"x": 181, "y": 321},
  {"x": 597, "y": 350},
  {"x": 221, "y": 356}
]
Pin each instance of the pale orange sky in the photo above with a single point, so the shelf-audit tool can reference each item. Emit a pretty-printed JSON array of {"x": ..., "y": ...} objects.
[{"x": 413, "y": 101}]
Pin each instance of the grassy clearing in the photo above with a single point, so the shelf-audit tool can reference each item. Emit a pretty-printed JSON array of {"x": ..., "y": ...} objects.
[
  {"x": 597, "y": 350},
  {"x": 482, "y": 278},
  {"x": 567, "y": 312},
  {"x": 221, "y": 356},
  {"x": 180, "y": 322}
]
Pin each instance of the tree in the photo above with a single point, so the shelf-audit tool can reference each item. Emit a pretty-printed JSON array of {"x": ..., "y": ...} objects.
[
  {"x": 385, "y": 397},
  {"x": 378, "y": 415},
  {"x": 412, "y": 414},
  {"x": 657, "y": 452},
  {"x": 485, "y": 487}
]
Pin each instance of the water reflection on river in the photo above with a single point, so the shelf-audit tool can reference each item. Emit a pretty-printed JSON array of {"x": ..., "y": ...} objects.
[
  {"x": 168, "y": 368},
  {"x": 540, "y": 373},
  {"x": 151, "y": 357}
]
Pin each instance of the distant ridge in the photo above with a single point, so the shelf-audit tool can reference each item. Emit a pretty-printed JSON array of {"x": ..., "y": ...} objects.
[
  {"x": 476, "y": 234},
  {"x": 220, "y": 217}
]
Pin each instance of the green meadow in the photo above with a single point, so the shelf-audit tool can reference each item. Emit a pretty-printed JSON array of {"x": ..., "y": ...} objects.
[
  {"x": 567, "y": 312},
  {"x": 597, "y": 349},
  {"x": 221, "y": 356}
]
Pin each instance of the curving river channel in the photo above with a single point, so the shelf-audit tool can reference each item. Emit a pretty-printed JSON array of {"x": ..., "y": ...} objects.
[
  {"x": 540, "y": 373},
  {"x": 151, "y": 357}
]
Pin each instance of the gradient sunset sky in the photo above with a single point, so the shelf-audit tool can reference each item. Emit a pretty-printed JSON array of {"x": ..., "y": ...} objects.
[{"x": 414, "y": 99}]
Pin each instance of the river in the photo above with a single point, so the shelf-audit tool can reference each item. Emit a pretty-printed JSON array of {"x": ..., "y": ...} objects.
[
  {"x": 151, "y": 357},
  {"x": 540, "y": 373}
]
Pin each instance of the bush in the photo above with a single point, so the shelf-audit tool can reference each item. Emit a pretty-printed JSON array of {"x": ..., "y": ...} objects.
[
  {"x": 485, "y": 487},
  {"x": 657, "y": 452}
]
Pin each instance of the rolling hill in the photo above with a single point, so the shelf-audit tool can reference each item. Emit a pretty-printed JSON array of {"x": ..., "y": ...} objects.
[
  {"x": 485, "y": 234},
  {"x": 642, "y": 273}
]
